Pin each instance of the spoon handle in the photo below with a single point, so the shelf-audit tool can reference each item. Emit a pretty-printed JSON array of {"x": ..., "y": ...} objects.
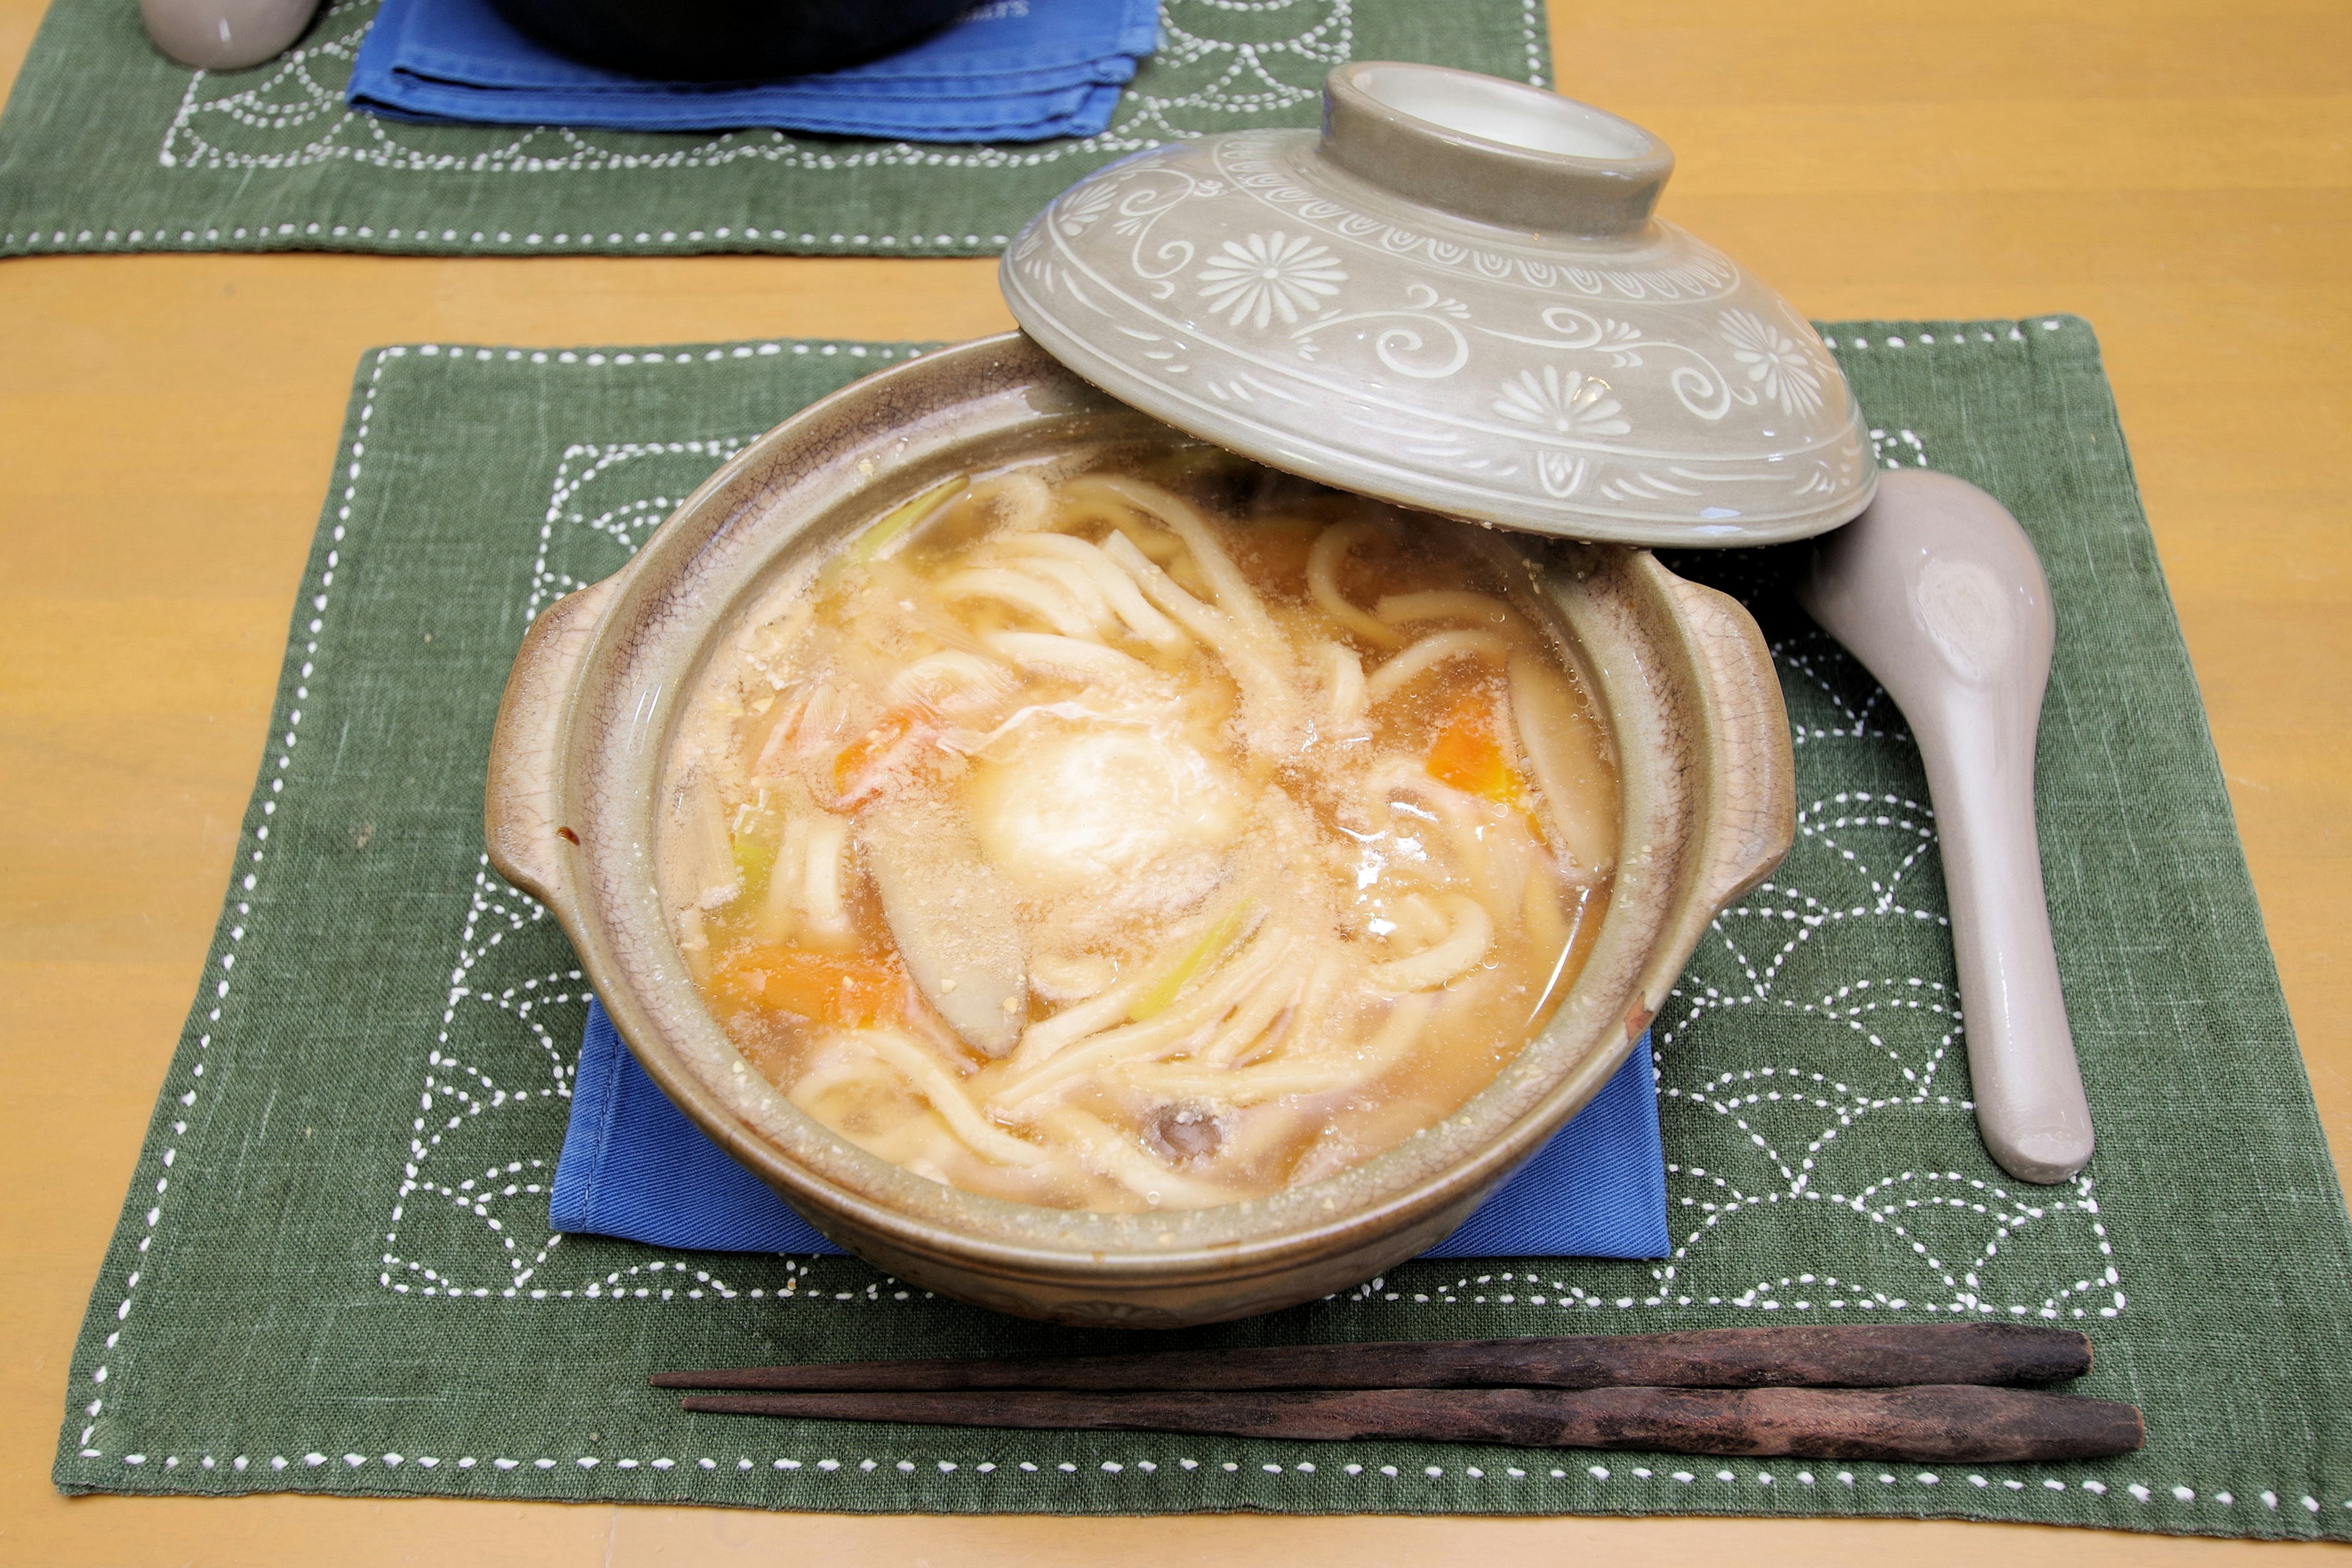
[
  {"x": 2029, "y": 1089},
  {"x": 1939, "y": 593}
]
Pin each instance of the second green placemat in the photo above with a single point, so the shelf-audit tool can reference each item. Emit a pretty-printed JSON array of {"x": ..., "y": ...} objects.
[{"x": 108, "y": 146}]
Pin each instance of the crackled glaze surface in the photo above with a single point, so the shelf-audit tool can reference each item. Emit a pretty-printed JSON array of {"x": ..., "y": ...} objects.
[
  {"x": 1705, "y": 808},
  {"x": 1634, "y": 386}
]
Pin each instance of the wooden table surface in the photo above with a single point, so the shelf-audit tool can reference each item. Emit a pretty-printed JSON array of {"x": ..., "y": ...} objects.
[{"x": 2174, "y": 170}]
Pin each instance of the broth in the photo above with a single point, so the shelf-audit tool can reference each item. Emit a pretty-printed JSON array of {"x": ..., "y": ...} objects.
[{"x": 1139, "y": 829}]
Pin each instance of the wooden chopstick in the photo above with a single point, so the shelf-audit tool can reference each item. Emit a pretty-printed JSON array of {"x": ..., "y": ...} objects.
[
  {"x": 1942, "y": 1424},
  {"x": 1823, "y": 1357}
]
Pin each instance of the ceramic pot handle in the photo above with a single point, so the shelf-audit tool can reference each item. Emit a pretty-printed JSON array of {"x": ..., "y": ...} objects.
[
  {"x": 1750, "y": 820},
  {"x": 521, "y": 808}
]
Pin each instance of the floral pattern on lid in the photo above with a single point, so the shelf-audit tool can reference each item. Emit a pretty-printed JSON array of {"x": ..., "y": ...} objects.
[{"x": 1260, "y": 291}]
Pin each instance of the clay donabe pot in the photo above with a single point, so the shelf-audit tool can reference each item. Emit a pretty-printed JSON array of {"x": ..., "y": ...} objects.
[
  {"x": 1679, "y": 672},
  {"x": 1454, "y": 298}
]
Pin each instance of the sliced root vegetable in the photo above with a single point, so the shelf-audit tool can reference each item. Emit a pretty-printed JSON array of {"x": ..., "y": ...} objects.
[
  {"x": 806, "y": 721},
  {"x": 780, "y": 910},
  {"x": 954, "y": 918},
  {"x": 1565, "y": 746},
  {"x": 1543, "y": 915}
]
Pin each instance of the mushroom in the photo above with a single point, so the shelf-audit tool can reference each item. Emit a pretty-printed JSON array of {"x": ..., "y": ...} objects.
[{"x": 1184, "y": 1131}]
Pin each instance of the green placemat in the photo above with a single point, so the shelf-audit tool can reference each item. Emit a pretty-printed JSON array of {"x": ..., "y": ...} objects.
[
  {"x": 106, "y": 145},
  {"x": 333, "y": 1273}
]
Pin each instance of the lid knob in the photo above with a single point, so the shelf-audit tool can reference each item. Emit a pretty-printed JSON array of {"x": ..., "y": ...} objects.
[{"x": 1497, "y": 151}]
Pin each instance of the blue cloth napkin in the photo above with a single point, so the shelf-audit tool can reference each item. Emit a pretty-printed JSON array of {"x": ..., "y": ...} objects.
[
  {"x": 634, "y": 1167},
  {"x": 1009, "y": 70}
]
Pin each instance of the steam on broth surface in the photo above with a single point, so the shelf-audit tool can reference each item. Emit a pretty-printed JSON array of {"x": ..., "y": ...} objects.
[{"x": 1139, "y": 829}]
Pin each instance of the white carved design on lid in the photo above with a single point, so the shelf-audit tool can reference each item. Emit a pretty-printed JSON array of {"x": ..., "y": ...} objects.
[{"x": 1235, "y": 287}]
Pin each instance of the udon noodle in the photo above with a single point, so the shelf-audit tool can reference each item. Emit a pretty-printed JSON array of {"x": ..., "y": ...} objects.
[{"x": 1139, "y": 829}]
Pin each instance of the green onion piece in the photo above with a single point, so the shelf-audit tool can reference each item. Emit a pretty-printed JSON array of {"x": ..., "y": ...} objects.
[
  {"x": 875, "y": 540},
  {"x": 1205, "y": 952},
  {"x": 754, "y": 858}
]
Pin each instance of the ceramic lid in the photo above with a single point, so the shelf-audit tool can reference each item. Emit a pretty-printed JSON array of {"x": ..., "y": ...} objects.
[{"x": 1454, "y": 298}]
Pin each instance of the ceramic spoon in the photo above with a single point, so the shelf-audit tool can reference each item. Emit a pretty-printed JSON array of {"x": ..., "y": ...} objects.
[
  {"x": 224, "y": 35},
  {"x": 1937, "y": 591}
]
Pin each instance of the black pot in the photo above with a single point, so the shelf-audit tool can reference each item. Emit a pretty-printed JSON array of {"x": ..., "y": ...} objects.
[{"x": 726, "y": 40}]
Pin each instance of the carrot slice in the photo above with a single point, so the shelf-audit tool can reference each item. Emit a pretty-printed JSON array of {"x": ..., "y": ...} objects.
[
  {"x": 844, "y": 990},
  {"x": 1468, "y": 755},
  {"x": 857, "y": 767}
]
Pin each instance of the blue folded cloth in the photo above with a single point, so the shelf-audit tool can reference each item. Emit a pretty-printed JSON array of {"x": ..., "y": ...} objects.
[
  {"x": 634, "y": 1167},
  {"x": 1008, "y": 71}
]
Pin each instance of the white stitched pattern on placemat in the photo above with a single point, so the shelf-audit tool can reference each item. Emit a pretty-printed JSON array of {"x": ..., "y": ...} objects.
[
  {"x": 296, "y": 114},
  {"x": 532, "y": 1016},
  {"x": 218, "y": 973},
  {"x": 497, "y": 1083},
  {"x": 470, "y": 1216}
]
